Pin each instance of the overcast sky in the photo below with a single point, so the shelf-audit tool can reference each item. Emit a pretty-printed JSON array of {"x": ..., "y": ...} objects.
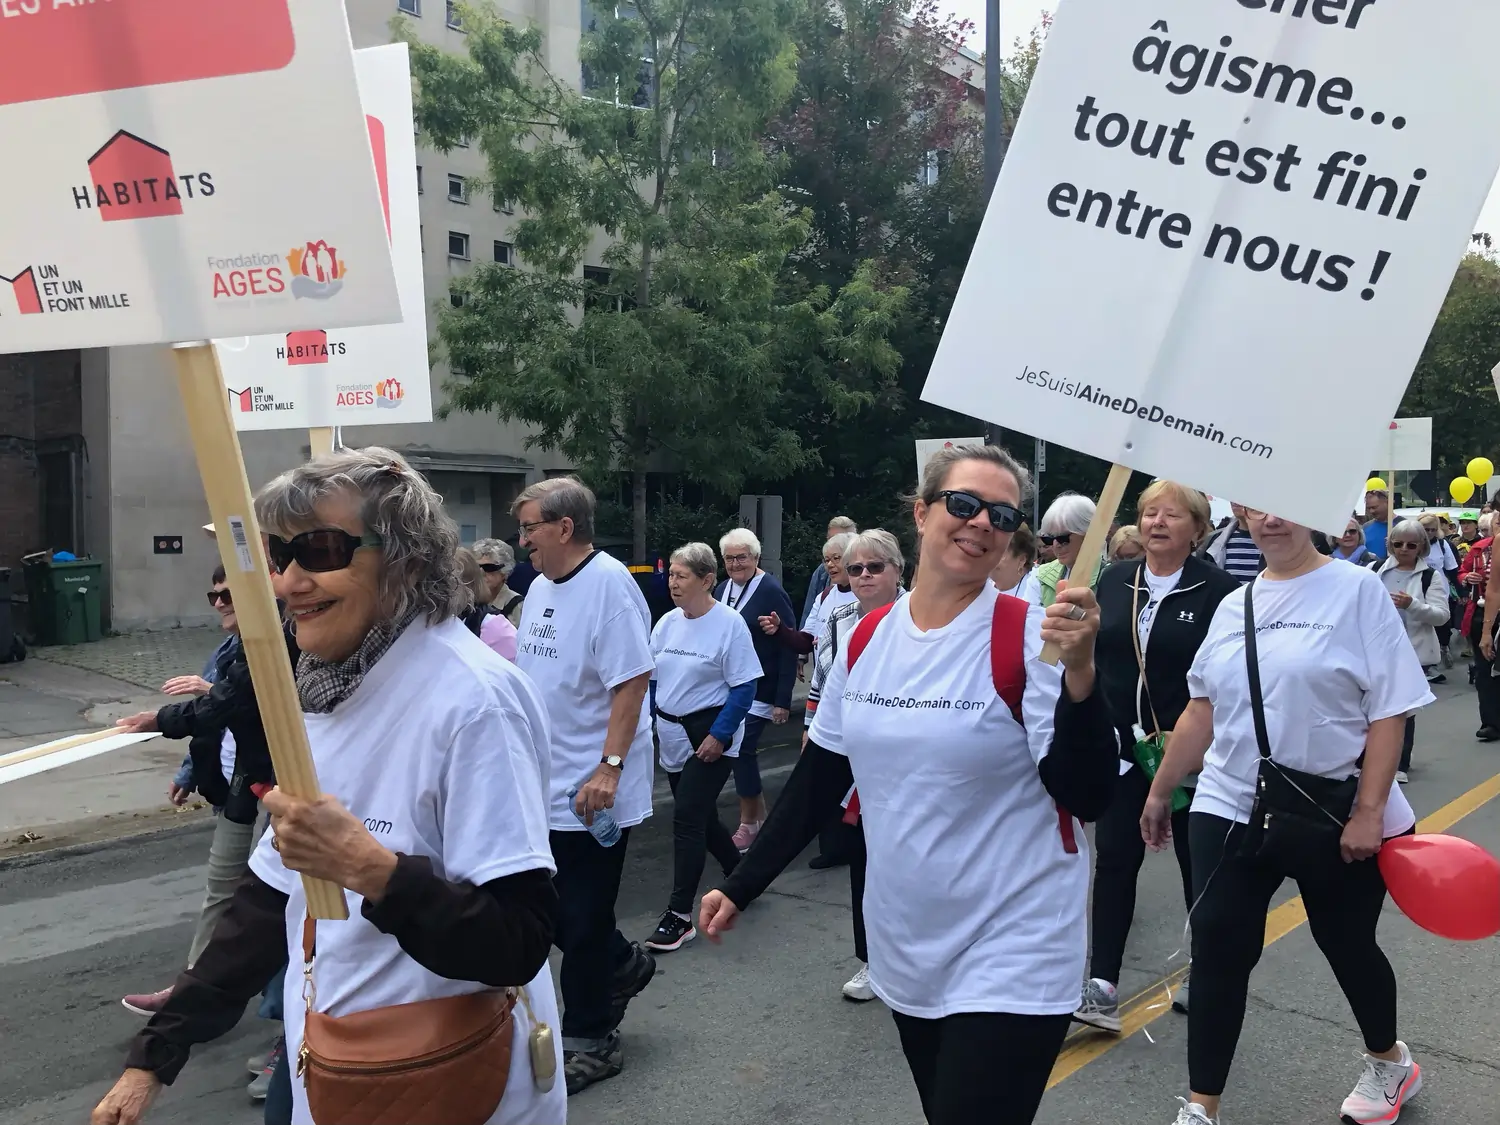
[{"x": 1018, "y": 17}]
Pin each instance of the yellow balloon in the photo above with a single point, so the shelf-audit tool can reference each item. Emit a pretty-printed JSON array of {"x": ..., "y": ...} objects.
[
  {"x": 1375, "y": 484},
  {"x": 1461, "y": 489},
  {"x": 1480, "y": 470}
]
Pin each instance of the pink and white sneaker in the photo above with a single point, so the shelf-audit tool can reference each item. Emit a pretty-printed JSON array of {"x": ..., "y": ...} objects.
[
  {"x": 1382, "y": 1090},
  {"x": 147, "y": 1003},
  {"x": 745, "y": 835}
]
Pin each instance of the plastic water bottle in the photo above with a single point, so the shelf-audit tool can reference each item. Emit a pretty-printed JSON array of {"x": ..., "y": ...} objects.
[{"x": 605, "y": 828}]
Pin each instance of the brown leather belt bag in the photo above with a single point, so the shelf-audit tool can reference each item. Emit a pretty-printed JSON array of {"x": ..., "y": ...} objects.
[{"x": 433, "y": 1061}]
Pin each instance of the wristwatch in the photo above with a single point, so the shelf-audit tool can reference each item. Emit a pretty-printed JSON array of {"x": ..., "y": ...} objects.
[{"x": 612, "y": 760}]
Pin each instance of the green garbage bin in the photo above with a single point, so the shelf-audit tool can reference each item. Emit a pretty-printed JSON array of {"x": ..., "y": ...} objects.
[{"x": 64, "y": 599}]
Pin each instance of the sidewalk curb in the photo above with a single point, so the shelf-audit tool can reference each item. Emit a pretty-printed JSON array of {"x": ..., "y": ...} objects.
[{"x": 16, "y": 856}]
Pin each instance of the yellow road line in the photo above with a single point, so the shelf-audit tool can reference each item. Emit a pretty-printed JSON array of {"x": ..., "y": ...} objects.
[{"x": 1149, "y": 1006}]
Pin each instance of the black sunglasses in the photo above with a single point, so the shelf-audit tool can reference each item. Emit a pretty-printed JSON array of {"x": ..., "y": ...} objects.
[
  {"x": 217, "y": 596},
  {"x": 965, "y": 506},
  {"x": 1061, "y": 540},
  {"x": 491, "y": 568},
  {"x": 318, "y": 551},
  {"x": 854, "y": 570}
]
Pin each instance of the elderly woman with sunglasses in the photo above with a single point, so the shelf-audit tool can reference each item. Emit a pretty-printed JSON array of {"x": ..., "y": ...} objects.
[
  {"x": 1064, "y": 525},
  {"x": 978, "y": 872},
  {"x": 432, "y": 752},
  {"x": 1420, "y": 593},
  {"x": 498, "y": 561}
]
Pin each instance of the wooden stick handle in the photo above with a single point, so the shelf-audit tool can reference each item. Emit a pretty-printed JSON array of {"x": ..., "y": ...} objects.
[
  {"x": 50, "y": 748},
  {"x": 222, "y": 467},
  {"x": 320, "y": 440},
  {"x": 1094, "y": 541}
]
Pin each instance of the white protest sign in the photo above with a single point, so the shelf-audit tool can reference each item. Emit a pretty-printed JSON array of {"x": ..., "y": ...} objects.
[
  {"x": 21, "y": 764},
  {"x": 1495, "y": 375},
  {"x": 1222, "y": 223},
  {"x": 928, "y": 447},
  {"x": 177, "y": 170},
  {"x": 355, "y": 376},
  {"x": 1406, "y": 444}
]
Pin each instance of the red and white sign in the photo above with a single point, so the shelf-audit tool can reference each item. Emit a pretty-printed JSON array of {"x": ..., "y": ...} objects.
[
  {"x": 353, "y": 376},
  {"x": 178, "y": 170}
]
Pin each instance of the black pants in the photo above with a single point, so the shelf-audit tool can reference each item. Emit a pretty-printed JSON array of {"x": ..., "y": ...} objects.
[
  {"x": 1121, "y": 851},
  {"x": 588, "y": 882},
  {"x": 696, "y": 828},
  {"x": 955, "y": 1062},
  {"x": 1343, "y": 902},
  {"x": 1486, "y": 686},
  {"x": 1407, "y": 738},
  {"x": 858, "y": 857}
]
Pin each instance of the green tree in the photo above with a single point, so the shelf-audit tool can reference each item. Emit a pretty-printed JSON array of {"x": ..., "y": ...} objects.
[{"x": 677, "y": 353}]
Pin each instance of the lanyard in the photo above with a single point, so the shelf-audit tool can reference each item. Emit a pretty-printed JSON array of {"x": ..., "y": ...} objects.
[{"x": 745, "y": 591}]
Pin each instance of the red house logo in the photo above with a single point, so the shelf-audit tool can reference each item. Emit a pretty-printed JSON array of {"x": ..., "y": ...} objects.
[
  {"x": 28, "y": 299},
  {"x": 306, "y": 347},
  {"x": 131, "y": 178},
  {"x": 244, "y": 401}
]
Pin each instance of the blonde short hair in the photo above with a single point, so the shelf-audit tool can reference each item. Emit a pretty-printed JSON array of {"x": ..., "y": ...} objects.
[
  {"x": 1190, "y": 498},
  {"x": 1130, "y": 533}
]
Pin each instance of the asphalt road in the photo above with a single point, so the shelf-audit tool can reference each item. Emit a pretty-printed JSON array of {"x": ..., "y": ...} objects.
[{"x": 755, "y": 1031}]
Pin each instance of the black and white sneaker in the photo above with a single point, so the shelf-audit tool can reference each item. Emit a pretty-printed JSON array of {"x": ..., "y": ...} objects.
[
  {"x": 631, "y": 979},
  {"x": 672, "y": 933}
]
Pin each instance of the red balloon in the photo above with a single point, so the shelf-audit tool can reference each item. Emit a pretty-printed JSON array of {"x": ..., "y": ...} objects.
[{"x": 1447, "y": 885}]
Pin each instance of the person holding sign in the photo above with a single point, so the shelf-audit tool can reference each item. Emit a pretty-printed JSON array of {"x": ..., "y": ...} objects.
[
  {"x": 1281, "y": 796},
  {"x": 432, "y": 752},
  {"x": 1153, "y": 616},
  {"x": 978, "y": 871}
]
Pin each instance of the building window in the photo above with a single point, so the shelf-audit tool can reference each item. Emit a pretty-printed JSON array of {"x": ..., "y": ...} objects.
[
  {"x": 934, "y": 164},
  {"x": 456, "y": 299},
  {"x": 462, "y": 142},
  {"x": 458, "y": 192},
  {"x": 595, "y": 280},
  {"x": 502, "y": 252},
  {"x": 419, "y": 179},
  {"x": 641, "y": 97},
  {"x": 410, "y": 7},
  {"x": 468, "y": 532},
  {"x": 503, "y": 206},
  {"x": 466, "y": 495},
  {"x": 455, "y": 21},
  {"x": 458, "y": 246}
]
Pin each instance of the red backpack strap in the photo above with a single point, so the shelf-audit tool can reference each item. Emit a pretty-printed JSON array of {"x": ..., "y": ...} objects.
[
  {"x": 865, "y": 630},
  {"x": 1008, "y": 670}
]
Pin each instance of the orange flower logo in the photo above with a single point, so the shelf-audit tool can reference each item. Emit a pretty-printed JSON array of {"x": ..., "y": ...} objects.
[
  {"x": 317, "y": 270},
  {"x": 389, "y": 393}
]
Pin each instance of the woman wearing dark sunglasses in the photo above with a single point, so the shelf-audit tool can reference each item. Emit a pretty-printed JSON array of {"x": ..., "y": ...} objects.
[
  {"x": 432, "y": 752},
  {"x": 977, "y": 880},
  {"x": 1064, "y": 525}
]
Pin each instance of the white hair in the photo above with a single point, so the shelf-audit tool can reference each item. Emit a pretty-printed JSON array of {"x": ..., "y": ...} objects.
[
  {"x": 739, "y": 537},
  {"x": 1069, "y": 514},
  {"x": 1411, "y": 529},
  {"x": 838, "y": 544},
  {"x": 843, "y": 523}
]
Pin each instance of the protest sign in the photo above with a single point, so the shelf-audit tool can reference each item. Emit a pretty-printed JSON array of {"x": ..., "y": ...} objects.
[
  {"x": 21, "y": 764},
  {"x": 355, "y": 376},
  {"x": 1220, "y": 225},
  {"x": 1406, "y": 443},
  {"x": 927, "y": 447},
  {"x": 177, "y": 170}
]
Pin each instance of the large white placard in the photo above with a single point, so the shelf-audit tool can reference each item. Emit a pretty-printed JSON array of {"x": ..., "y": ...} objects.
[
  {"x": 928, "y": 447},
  {"x": 177, "y": 170},
  {"x": 1406, "y": 444},
  {"x": 1220, "y": 225},
  {"x": 355, "y": 376}
]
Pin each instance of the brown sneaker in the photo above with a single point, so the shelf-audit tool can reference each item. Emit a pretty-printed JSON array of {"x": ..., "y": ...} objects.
[{"x": 147, "y": 1003}]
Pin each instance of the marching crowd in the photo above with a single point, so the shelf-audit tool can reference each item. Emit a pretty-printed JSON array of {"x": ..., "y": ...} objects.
[{"x": 487, "y": 743}]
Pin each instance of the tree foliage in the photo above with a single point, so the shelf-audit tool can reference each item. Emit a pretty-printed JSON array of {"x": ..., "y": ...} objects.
[{"x": 682, "y": 351}]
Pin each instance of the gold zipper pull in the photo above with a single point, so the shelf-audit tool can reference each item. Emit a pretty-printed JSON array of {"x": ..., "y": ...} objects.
[{"x": 302, "y": 1054}]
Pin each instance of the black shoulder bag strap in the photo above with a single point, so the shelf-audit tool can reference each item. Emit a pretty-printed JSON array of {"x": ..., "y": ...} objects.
[{"x": 1252, "y": 667}]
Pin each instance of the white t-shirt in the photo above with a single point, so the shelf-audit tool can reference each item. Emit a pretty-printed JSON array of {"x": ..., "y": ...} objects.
[
  {"x": 580, "y": 638},
  {"x": 226, "y": 756},
  {"x": 1334, "y": 658},
  {"x": 1153, "y": 589},
  {"x": 1030, "y": 589},
  {"x": 697, "y": 661},
  {"x": 835, "y": 599},
  {"x": 442, "y": 752},
  {"x": 971, "y": 903}
]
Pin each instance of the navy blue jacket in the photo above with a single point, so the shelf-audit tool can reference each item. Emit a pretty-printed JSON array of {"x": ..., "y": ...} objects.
[{"x": 778, "y": 664}]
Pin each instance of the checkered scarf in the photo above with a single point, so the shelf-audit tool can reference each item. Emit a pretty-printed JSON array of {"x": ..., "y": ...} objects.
[{"x": 323, "y": 686}]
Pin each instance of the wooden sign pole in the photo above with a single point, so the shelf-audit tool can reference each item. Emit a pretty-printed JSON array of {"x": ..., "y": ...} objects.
[
  {"x": 47, "y": 750},
  {"x": 206, "y": 403},
  {"x": 1390, "y": 508},
  {"x": 1094, "y": 541},
  {"x": 320, "y": 440}
]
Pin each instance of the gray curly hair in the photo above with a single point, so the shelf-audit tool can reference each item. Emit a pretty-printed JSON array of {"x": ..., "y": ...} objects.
[{"x": 421, "y": 570}]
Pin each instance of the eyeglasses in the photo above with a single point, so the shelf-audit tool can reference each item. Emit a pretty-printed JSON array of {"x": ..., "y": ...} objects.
[
  {"x": 529, "y": 529},
  {"x": 965, "y": 506},
  {"x": 491, "y": 568},
  {"x": 854, "y": 570},
  {"x": 1254, "y": 514},
  {"x": 319, "y": 551},
  {"x": 1403, "y": 543},
  {"x": 1061, "y": 540},
  {"x": 736, "y": 559},
  {"x": 217, "y": 596}
]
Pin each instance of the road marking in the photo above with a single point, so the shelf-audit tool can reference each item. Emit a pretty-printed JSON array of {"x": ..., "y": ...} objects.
[{"x": 1150, "y": 1005}]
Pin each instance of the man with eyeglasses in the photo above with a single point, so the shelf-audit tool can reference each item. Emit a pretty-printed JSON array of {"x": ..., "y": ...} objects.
[{"x": 1232, "y": 549}]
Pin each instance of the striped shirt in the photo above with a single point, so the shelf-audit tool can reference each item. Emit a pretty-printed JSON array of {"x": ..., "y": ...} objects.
[{"x": 1242, "y": 558}]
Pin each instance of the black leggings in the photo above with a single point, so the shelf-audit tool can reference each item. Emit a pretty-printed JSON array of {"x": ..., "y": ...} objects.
[
  {"x": 696, "y": 827},
  {"x": 955, "y": 1061},
  {"x": 1121, "y": 851},
  {"x": 858, "y": 857},
  {"x": 1343, "y": 902}
]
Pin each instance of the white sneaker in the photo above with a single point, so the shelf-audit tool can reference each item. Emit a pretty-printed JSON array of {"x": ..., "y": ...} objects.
[
  {"x": 1192, "y": 1113},
  {"x": 1401, "y": 777},
  {"x": 1382, "y": 1090},
  {"x": 858, "y": 987},
  {"x": 1099, "y": 1006}
]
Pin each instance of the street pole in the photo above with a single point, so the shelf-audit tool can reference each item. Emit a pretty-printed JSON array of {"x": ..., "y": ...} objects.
[{"x": 994, "y": 134}]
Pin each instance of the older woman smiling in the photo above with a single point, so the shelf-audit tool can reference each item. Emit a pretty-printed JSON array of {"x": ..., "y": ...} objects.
[{"x": 432, "y": 752}]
